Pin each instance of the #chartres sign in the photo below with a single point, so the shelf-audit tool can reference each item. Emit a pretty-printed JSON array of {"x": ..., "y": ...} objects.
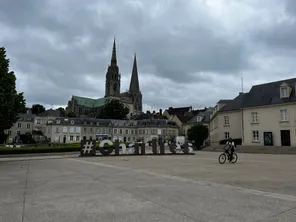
[{"x": 88, "y": 148}]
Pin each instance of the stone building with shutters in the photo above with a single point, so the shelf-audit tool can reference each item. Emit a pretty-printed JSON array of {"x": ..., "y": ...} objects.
[{"x": 132, "y": 99}]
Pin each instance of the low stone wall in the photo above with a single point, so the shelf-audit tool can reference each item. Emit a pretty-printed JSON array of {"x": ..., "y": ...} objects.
[{"x": 256, "y": 149}]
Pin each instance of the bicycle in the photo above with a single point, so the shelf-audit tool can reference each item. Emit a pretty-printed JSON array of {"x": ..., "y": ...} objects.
[{"x": 226, "y": 155}]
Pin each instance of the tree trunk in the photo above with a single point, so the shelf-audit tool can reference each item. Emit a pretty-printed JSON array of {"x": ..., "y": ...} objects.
[{"x": 2, "y": 136}]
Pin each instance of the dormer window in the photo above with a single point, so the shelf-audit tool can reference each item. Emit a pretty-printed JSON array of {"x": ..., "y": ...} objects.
[
  {"x": 98, "y": 123},
  {"x": 58, "y": 121},
  {"x": 284, "y": 92},
  {"x": 72, "y": 121},
  {"x": 85, "y": 122},
  {"x": 199, "y": 118}
]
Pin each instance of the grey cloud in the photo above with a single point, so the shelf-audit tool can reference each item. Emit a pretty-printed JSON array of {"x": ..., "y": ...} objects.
[{"x": 179, "y": 46}]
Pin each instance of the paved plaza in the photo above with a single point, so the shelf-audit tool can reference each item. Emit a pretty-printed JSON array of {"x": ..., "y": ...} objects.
[{"x": 259, "y": 187}]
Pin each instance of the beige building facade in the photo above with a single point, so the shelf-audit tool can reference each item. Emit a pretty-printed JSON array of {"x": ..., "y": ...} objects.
[
  {"x": 265, "y": 116},
  {"x": 270, "y": 125},
  {"x": 66, "y": 130}
]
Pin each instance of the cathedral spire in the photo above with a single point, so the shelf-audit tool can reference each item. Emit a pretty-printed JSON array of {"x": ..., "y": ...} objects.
[
  {"x": 134, "y": 85},
  {"x": 113, "y": 58}
]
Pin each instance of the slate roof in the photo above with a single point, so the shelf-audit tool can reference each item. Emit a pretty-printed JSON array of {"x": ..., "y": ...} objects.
[
  {"x": 179, "y": 110},
  {"x": 50, "y": 113},
  {"x": 183, "y": 119},
  {"x": 111, "y": 122},
  {"x": 224, "y": 100},
  {"x": 88, "y": 102},
  {"x": 26, "y": 117},
  {"x": 236, "y": 104},
  {"x": 269, "y": 94},
  {"x": 205, "y": 116}
]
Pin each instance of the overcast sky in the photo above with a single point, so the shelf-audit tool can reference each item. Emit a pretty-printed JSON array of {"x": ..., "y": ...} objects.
[{"x": 189, "y": 52}]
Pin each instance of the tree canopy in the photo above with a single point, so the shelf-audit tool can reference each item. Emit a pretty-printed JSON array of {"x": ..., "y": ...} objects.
[
  {"x": 37, "y": 109},
  {"x": 113, "y": 110},
  {"x": 65, "y": 113},
  {"x": 198, "y": 133},
  {"x": 11, "y": 102}
]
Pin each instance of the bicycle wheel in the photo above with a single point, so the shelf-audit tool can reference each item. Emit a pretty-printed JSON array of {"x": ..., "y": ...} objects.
[
  {"x": 234, "y": 159},
  {"x": 222, "y": 158}
]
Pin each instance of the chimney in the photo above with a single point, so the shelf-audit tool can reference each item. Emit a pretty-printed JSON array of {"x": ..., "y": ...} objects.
[
  {"x": 153, "y": 111},
  {"x": 160, "y": 112},
  {"x": 148, "y": 112}
]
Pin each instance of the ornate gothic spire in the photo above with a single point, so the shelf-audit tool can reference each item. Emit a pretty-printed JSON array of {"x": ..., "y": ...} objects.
[
  {"x": 113, "y": 58},
  {"x": 134, "y": 85}
]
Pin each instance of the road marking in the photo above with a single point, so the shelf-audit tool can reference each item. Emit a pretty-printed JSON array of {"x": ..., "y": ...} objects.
[{"x": 202, "y": 183}]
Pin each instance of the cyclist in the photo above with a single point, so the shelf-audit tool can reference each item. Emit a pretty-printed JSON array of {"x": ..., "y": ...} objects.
[{"x": 231, "y": 148}]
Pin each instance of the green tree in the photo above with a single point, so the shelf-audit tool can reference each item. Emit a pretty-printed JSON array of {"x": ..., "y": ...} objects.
[
  {"x": 37, "y": 109},
  {"x": 62, "y": 110},
  {"x": 71, "y": 114},
  {"x": 113, "y": 110},
  {"x": 11, "y": 102},
  {"x": 198, "y": 133}
]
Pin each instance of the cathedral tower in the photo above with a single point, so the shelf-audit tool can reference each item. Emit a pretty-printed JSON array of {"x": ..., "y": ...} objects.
[
  {"x": 134, "y": 89},
  {"x": 112, "y": 88}
]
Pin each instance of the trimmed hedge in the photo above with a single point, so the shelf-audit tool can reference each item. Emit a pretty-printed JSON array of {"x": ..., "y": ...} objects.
[
  {"x": 45, "y": 149},
  {"x": 27, "y": 150},
  {"x": 236, "y": 141}
]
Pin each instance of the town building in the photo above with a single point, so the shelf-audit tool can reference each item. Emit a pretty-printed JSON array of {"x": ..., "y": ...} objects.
[
  {"x": 265, "y": 116},
  {"x": 72, "y": 130},
  {"x": 226, "y": 119},
  {"x": 23, "y": 125},
  {"x": 132, "y": 99},
  {"x": 269, "y": 114}
]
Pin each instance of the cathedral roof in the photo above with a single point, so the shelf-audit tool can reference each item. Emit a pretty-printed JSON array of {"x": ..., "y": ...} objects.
[{"x": 89, "y": 102}]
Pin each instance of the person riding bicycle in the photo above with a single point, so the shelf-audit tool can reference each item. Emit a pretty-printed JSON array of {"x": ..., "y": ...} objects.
[{"x": 231, "y": 147}]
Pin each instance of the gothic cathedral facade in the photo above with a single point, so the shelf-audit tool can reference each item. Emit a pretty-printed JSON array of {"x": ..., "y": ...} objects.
[{"x": 132, "y": 99}]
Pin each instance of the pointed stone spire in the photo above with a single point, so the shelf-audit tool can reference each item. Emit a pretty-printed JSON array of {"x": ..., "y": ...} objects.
[
  {"x": 113, "y": 58},
  {"x": 134, "y": 85}
]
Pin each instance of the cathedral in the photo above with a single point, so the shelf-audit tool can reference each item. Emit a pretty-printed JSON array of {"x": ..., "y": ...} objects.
[{"x": 88, "y": 107}]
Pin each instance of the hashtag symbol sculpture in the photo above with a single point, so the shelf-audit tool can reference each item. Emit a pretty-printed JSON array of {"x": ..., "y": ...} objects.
[{"x": 88, "y": 148}]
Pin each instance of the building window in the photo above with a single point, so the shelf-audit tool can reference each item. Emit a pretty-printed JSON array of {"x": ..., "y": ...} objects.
[
  {"x": 120, "y": 131},
  {"x": 284, "y": 92},
  {"x": 226, "y": 120},
  {"x": 255, "y": 136},
  {"x": 58, "y": 121},
  {"x": 84, "y": 130},
  {"x": 284, "y": 114},
  {"x": 38, "y": 121},
  {"x": 132, "y": 131},
  {"x": 136, "y": 131},
  {"x": 65, "y": 129},
  {"x": 226, "y": 134},
  {"x": 19, "y": 125},
  {"x": 72, "y": 129},
  {"x": 90, "y": 138},
  {"x": 72, "y": 121},
  {"x": 77, "y": 138},
  {"x": 115, "y": 130},
  {"x": 198, "y": 119},
  {"x": 28, "y": 125},
  {"x": 91, "y": 130},
  {"x": 254, "y": 117},
  {"x": 71, "y": 138},
  {"x": 77, "y": 129},
  {"x": 18, "y": 132},
  {"x": 126, "y": 131},
  {"x": 57, "y": 129}
]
